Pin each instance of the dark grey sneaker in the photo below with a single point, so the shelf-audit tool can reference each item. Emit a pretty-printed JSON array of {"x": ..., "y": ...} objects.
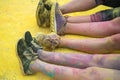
[
  {"x": 25, "y": 57},
  {"x": 57, "y": 21},
  {"x": 32, "y": 42}
]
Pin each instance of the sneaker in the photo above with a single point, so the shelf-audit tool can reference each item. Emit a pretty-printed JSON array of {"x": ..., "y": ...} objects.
[
  {"x": 25, "y": 57},
  {"x": 57, "y": 21},
  {"x": 49, "y": 41},
  {"x": 32, "y": 42},
  {"x": 43, "y": 13}
]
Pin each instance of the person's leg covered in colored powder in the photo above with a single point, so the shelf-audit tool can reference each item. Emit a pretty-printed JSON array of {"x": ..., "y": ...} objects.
[
  {"x": 80, "y": 5},
  {"x": 85, "y": 25},
  {"x": 90, "y": 45},
  {"x": 101, "y": 24},
  {"x": 69, "y": 66},
  {"x": 94, "y": 29},
  {"x": 73, "y": 60},
  {"x": 31, "y": 64}
]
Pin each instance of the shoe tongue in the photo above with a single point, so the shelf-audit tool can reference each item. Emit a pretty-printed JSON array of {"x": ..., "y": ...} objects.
[{"x": 60, "y": 20}]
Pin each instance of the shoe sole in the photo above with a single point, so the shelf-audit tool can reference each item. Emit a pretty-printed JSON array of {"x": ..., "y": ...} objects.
[
  {"x": 21, "y": 64},
  {"x": 53, "y": 19},
  {"x": 57, "y": 21}
]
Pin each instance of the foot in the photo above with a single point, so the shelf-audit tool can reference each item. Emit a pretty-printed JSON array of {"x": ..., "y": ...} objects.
[
  {"x": 58, "y": 21},
  {"x": 32, "y": 42},
  {"x": 50, "y": 41},
  {"x": 26, "y": 57},
  {"x": 43, "y": 13}
]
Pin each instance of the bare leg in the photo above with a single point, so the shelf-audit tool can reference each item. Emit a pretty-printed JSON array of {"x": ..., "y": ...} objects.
[
  {"x": 69, "y": 73},
  {"x": 93, "y": 45},
  {"x": 81, "y": 60},
  {"x": 97, "y": 17},
  {"x": 94, "y": 29},
  {"x": 78, "y": 19},
  {"x": 79, "y": 5}
]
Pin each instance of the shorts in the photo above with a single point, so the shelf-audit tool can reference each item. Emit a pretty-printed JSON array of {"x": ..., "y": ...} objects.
[{"x": 110, "y": 3}]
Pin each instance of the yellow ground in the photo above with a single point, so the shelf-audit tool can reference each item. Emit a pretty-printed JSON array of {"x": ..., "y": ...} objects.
[{"x": 16, "y": 17}]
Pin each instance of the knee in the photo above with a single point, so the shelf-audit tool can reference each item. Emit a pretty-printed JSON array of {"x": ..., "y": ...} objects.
[
  {"x": 94, "y": 72},
  {"x": 116, "y": 38},
  {"x": 116, "y": 22}
]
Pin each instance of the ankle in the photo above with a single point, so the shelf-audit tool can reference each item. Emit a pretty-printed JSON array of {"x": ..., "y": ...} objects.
[
  {"x": 61, "y": 42},
  {"x": 116, "y": 40},
  {"x": 116, "y": 23},
  {"x": 34, "y": 66},
  {"x": 67, "y": 28},
  {"x": 40, "y": 53}
]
